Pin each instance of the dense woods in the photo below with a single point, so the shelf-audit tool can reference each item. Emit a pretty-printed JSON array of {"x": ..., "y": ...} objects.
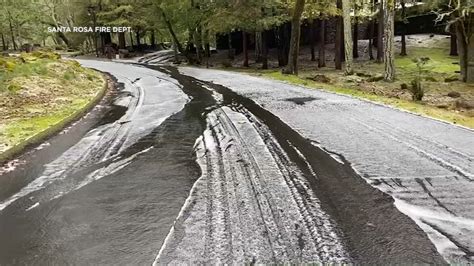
[{"x": 193, "y": 27}]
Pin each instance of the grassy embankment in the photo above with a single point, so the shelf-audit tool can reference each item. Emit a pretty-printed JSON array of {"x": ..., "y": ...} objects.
[
  {"x": 437, "y": 82},
  {"x": 40, "y": 93}
]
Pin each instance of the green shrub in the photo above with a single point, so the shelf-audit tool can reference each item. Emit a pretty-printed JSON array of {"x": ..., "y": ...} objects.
[
  {"x": 452, "y": 78},
  {"x": 90, "y": 77},
  {"x": 27, "y": 57},
  {"x": 416, "y": 90},
  {"x": 7, "y": 64},
  {"x": 74, "y": 63},
  {"x": 226, "y": 63},
  {"x": 375, "y": 78},
  {"x": 13, "y": 87},
  {"x": 39, "y": 54},
  {"x": 60, "y": 47},
  {"x": 46, "y": 55},
  {"x": 69, "y": 75}
]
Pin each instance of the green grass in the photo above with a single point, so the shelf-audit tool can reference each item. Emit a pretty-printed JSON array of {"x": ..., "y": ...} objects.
[
  {"x": 38, "y": 92},
  {"x": 24, "y": 128},
  {"x": 439, "y": 66},
  {"x": 16, "y": 68},
  {"x": 439, "y": 62}
]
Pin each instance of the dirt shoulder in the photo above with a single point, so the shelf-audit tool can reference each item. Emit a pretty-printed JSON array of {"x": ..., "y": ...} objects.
[
  {"x": 39, "y": 95},
  {"x": 445, "y": 97}
]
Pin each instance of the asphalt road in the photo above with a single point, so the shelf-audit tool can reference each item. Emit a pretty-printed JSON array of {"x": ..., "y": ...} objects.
[
  {"x": 427, "y": 166},
  {"x": 173, "y": 168}
]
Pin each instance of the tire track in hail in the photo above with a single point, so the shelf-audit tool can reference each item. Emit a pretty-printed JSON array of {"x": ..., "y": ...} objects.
[
  {"x": 273, "y": 226},
  {"x": 262, "y": 202},
  {"x": 443, "y": 162},
  {"x": 308, "y": 205}
]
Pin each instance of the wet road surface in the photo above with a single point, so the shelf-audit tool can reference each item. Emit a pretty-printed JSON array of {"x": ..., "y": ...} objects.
[
  {"x": 427, "y": 166},
  {"x": 182, "y": 170},
  {"x": 69, "y": 213}
]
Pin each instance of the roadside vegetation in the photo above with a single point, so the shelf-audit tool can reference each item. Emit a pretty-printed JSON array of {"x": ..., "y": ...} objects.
[
  {"x": 444, "y": 97},
  {"x": 39, "y": 90},
  {"x": 365, "y": 48}
]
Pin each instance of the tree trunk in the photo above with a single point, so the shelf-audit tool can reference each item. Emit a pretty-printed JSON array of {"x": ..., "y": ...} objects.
[
  {"x": 265, "y": 50},
  {"x": 172, "y": 33},
  {"x": 230, "y": 51},
  {"x": 375, "y": 37},
  {"x": 102, "y": 43},
  {"x": 389, "y": 45},
  {"x": 12, "y": 33},
  {"x": 311, "y": 38},
  {"x": 462, "y": 58},
  {"x": 380, "y": 32},
  {"x": 88, "y": 43},
  {"x": 174, "y": 46},
  {"x": 96, "y": 45},
  {"x": 355, "y": 38},
  {"x": 453, "y": 51},
  {"x": 63, "y": 37},
  {"x": 258, "y": 46},
  {"x": 284, "y": 44},
  {"x": 403, "y": 51},
  {"x": 4, "y": 46},
  {"x": 346, "y": 16},
  {"x": 470, "y": 61},
  {"x": 322, "y": 43},
  {"x": 463, "y": 48},
  {"x": 292, "y": 67},
  {"x": 107, "y": 38},
  {"x": 174, "y": 38},
  {"x": 190, "y": 43},
  {"x": 371, "y": 38},
  {"x": 207, "y": 46},
  {"x": 279, "y": 42},
  {"x": 137, "y": 35},
  {"x": 245, "y": 49},
  {"x": 153, "y": 39},
  {"x": 343, "y": 51},
  {"x": 121, "y": 40},
  {"x": 338, "y": 42},
  {"x": 189, "y": 48},
  {"x": 198, "y": 43}
]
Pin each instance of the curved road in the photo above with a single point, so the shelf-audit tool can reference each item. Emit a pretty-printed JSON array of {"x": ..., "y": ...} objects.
[{"x": 204, "y": 166}]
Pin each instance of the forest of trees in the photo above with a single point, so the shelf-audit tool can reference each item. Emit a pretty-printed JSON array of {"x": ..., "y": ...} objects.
[{"x": 191, "y": 26}]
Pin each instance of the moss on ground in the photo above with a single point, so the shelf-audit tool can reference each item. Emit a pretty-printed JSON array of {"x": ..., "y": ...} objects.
[{"x": 38, "y": 91}]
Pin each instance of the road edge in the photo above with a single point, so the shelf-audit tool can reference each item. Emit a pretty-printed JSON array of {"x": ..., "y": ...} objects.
[
  {"x": 376, "y": 103},
  {"x": 56, "y": 128},
  {"x": 320, "y": 88}
]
